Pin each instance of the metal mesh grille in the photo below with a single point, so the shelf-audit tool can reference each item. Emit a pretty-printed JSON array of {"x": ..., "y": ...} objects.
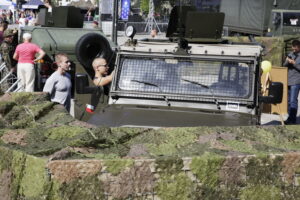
[{"x": 184, "y": 77}]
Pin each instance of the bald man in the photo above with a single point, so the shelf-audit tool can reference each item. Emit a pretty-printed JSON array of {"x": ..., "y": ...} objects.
[{"x": 101, "y": 72}]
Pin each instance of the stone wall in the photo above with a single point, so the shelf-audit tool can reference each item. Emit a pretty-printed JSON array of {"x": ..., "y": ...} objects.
[
  {"x": 47, "y": 154},
  {"x": 172, "y": 178}
]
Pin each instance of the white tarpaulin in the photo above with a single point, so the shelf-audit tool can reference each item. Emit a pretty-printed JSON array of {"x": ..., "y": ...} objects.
[
  {"x": 5, "y": 4},
  {"x": 32, "y": 4}
]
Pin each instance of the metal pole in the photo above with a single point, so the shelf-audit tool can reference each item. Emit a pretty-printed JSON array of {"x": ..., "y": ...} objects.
[
  {"x": 99, "y": 14},
  {"x": 115, "y": 21}
]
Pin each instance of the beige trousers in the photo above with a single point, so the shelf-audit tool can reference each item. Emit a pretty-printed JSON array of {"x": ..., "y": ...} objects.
[{"x": 26, "y": 73}]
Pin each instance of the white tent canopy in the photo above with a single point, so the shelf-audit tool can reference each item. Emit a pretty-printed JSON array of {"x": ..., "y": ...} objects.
[{"x": 5, "y": 4}]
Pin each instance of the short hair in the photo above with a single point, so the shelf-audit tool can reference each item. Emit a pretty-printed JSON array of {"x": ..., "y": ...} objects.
[
  {"x": 59, "y": 56},
  {"x": 27, "y": 36},
  {"x": 296, "y": 43},
  {"x": 95, "y": 61}
]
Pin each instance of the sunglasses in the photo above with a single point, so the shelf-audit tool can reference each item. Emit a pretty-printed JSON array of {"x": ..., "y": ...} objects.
[{"x": 102, "y": 65}]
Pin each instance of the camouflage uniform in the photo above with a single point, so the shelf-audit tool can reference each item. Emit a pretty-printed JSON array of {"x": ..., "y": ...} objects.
[{"x": 7, "y": 51}]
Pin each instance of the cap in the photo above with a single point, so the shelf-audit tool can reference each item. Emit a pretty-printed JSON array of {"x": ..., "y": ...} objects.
[{"x": 8, "y": 32}]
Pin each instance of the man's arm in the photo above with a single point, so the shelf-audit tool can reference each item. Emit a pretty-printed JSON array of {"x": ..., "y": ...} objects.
[
  {"x": 101, "y": 81},
  {"x": 41, "y": 53},
  {"x": 16, "y": 56},
  {"x": 49, "y": 85}
]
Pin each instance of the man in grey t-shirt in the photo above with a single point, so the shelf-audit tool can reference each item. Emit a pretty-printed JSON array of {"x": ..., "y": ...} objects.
[
  {"x": 58, "y": 85},
  {"x": 293, "y": 63}
]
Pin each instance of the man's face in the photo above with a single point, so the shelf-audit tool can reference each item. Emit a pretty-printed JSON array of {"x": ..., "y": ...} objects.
[
  {"x": 9, "y": 39},
  {"x": 64, "y": 64},
  {"x": 296, "y": 49},
  {"x": 102, "y": 67}
]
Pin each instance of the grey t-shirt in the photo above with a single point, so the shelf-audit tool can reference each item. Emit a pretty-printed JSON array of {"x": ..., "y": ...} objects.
[
  {"x": 59, "y": 87},
  {"x": 293, "y": 70}
]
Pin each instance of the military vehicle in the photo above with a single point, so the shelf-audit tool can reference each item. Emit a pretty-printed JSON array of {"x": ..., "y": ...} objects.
[
  {"x": 261, "y": 17},
  {"x": 192, "y": 78},
  {"x": 59, "y": 32}
]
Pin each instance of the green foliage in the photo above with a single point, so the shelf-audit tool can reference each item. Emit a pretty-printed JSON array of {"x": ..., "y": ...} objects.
[
  {"x": 261, "y": 192},
  {"x": 6, "y": 106},
  {"x": 34, "y": 178},
  {"x": 175, "y": 187},
  {"x": 169, "y": 165},
  {"x": 116, "y": 166},
  {"x": 89, "y": 188},
  {"x": 6, "y": 159},
  {"x": 168, "y": 142},
  {"x": 264, "y": 170},
  {"x": 63, "y": 132},
  {"x": 206, "y": 168},
  {"x": 144, "y": 6}
]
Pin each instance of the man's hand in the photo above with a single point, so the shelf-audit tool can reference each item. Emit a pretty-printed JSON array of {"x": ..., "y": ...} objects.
[{"x": 291, "y": 61}]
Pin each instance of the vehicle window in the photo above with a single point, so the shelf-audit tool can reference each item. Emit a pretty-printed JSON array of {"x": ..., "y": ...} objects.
[
  {"x": 184, "y": 77},
  {"x": 291, "y": 19}
]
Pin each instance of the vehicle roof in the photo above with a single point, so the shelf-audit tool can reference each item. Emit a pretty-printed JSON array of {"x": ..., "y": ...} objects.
[
  {"x": 196, "y": 49},
  {"x": 286, "y": 11}
]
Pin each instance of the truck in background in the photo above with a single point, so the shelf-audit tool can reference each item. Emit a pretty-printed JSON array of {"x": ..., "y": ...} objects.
[{"x": 261, "y": 17}]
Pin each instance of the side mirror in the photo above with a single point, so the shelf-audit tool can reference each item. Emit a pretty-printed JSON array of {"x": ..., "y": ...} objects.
[
  {"x": 82, "y": 84},
  {"x": 275, "y": 94}
]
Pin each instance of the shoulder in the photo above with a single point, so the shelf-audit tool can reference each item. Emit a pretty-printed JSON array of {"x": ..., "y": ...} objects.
[{"x": 68, "y": 75}]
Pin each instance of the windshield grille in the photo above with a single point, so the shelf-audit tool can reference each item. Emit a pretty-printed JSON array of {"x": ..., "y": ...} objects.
[{"x": 184, "y": 77}]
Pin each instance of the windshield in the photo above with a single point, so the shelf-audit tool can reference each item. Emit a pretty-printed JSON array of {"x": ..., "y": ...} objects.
[
  {"x": 185, "y": 77},
  {"x": 291, "y": 19}
]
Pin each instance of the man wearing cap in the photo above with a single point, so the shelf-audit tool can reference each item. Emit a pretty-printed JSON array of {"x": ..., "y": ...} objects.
[{"x": 7, "y": 49}]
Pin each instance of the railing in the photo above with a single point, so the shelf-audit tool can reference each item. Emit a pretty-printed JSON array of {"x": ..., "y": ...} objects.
[{"x": 8, "y": 80}]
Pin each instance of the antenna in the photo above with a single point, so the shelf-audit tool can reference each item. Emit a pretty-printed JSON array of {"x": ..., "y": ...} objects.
[{"x": 151, "y": 20}]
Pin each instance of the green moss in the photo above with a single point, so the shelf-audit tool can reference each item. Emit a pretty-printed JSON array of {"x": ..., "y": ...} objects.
[
  {"x": 169, "y": 165},
  {"x": 23, "y": 116},
  {"x": 6, "y": 106},
  {"x": 89, "y": 188},
  {"x": 6, "y": 158},
  {"x": 175, "y": 187},
  {"x": 22, "y": 98},
  {"x": 169, "y": 141},
  {"x": 34, "y": 178},
  {"x": 63, "y": 132},
  {"x": 261, "y": 192},
  {"x": 206, "y": 168},
  {"x": 18, "y": 167},
  {"x": 264, "y": 170},
  {"x": 116, "y": 166},
  {"x": 240, "y": 146}
]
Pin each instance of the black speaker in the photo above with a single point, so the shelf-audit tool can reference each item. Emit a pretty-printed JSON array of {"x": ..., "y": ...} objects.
[
  {"x": 44, "y": 18},
  {"x": 67, "y": 17},
  {"x": 177, "y": 20},
  {"x": 204, "y": 25}
]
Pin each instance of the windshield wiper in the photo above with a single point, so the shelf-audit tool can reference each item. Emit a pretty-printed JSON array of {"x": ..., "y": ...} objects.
[
  {"x": 207, "y": 87},
  {"x": 152, "y": 84}
]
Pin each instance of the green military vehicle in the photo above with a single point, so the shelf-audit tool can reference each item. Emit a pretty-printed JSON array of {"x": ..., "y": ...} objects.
[
  {"x": 192, "y": 78},
  {"x": 261, "y": 17},
  {"x": 60, "y": 36}
]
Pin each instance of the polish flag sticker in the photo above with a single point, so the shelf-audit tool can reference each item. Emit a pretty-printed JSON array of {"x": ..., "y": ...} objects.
[{"x": 89, "y": 108}]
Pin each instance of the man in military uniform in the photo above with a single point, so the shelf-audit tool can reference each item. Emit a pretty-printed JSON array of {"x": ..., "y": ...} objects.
[{"x": 7, "y": 50}]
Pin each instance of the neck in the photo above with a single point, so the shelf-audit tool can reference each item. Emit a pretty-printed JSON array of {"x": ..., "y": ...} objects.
[{"x": 60, "y": 71}]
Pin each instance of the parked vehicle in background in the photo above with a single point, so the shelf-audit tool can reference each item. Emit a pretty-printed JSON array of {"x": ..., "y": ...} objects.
[{"x": 260, "y": 17}]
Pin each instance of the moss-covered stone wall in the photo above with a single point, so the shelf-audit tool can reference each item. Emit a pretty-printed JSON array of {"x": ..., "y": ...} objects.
[
  {"x": 47, "y": 154},
  {"x": 204, "y": 177}
]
